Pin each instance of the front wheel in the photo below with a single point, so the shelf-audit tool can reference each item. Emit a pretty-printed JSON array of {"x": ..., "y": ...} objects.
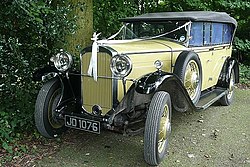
[
  {"x": 157, "y": 128},
  {"x": 45, "y": 115}
]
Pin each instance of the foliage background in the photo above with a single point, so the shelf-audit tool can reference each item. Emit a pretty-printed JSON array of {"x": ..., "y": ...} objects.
[{"x": 32, "y": 30}]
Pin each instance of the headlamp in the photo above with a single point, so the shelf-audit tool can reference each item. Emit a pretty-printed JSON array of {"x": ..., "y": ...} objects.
[
  {"x": 62, "y": 61},
  {"x": 121, "y": 65}
]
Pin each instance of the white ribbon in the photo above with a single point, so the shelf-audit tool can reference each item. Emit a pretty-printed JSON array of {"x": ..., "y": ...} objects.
[
  {"x": 113, "y": 36},
  {"x": 92, "y": 71}
]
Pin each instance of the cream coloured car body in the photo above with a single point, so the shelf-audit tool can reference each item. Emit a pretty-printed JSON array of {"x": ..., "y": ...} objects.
[{"x": 143, "y": 54}]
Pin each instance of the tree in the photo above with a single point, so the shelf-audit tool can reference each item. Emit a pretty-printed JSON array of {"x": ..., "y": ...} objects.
[{"x": 82, "y": 11}]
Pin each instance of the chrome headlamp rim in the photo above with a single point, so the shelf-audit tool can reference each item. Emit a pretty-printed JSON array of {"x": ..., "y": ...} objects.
[
  {"x": 124, "y": 63},
  {"x": 62, "y": 61}
]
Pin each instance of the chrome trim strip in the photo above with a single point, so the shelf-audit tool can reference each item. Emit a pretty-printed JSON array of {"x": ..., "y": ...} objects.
[
  {"x": 107, "y": 77},
  {"x": 201, "y": 49}
]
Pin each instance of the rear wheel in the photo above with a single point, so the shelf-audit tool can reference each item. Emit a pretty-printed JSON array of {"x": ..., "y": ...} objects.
[
  {"x": 227, "y": 99},
  {"x": 188, "y": 69},
  {"x": 157, "y": 128},
  {"x": 45, "y": 114}
]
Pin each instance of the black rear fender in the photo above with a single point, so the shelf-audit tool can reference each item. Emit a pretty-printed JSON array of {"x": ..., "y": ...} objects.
[{"x": 229, "y": 65}]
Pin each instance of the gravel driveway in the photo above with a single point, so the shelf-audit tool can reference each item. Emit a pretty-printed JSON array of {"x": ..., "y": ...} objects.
[{"x": 218, "y": 136}]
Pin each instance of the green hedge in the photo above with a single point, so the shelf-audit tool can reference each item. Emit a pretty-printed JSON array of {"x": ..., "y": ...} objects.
[{"x": 30, "y": 30}]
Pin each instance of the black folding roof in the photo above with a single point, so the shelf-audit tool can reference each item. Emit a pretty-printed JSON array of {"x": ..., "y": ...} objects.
[{"x": 184, "y": 16}]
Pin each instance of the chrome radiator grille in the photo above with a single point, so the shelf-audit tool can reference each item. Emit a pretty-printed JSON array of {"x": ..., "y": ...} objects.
[{"x": 97, "y": 92}]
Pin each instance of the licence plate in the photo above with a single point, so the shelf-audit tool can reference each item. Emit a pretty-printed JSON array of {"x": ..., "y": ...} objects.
[{"x": 82, "y": 124}]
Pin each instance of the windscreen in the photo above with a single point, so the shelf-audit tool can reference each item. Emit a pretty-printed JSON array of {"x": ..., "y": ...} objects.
[{"x": 173, "y": 30}]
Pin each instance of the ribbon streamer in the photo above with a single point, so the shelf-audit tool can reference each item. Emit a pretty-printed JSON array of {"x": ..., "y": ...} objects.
[{"x": 92, "y": 71}]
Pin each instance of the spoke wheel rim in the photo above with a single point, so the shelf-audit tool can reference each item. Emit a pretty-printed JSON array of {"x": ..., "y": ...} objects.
[
  {"x": 163, "y": 129},
  {"x": 191, "y": 79},
  {"x": 51, "y": 110},
  {"x": 231, "y": 86}
]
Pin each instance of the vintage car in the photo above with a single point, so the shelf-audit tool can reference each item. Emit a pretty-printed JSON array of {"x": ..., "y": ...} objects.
[{"x": 131, "y": 82}]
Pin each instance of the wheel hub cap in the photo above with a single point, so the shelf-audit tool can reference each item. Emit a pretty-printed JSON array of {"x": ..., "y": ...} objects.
[
  {"x": 164, "y": 129},
  {"x": 51, "y": 110}
]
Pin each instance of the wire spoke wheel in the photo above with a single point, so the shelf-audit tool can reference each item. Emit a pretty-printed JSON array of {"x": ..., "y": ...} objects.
[
  {"x": 227, "y": 99},
  {"x": 188, "y": 69},
  {"x": 191, "y": 79},
  {"x": 157, "y": 128},
  {"x": 231, "y": 86},
  {"x": 53, "y": 102},
  {"x": 164, "y": 129},
  {"x": 45, "y": 115}
]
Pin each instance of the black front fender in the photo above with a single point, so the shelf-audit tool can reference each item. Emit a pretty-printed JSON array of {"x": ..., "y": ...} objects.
[
  {"x": 39, "y": 73},
  {"x": 70, "y": 82},
  {"x": 169, "y": 82},
  {"x": 149, "y": 83},
  {"x": 141, "y": 92}
]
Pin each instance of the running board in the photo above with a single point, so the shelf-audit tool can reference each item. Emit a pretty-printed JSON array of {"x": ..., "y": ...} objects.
[{"x": 209, "y": 98}]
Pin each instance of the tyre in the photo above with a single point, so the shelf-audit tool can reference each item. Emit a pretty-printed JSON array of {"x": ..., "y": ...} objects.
[
  {"x": 227, "y": 99},
  {"x": 157, "y": 128},
  {"x": 46, "y": 102},
  {"x": 188, "y": 69}
]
